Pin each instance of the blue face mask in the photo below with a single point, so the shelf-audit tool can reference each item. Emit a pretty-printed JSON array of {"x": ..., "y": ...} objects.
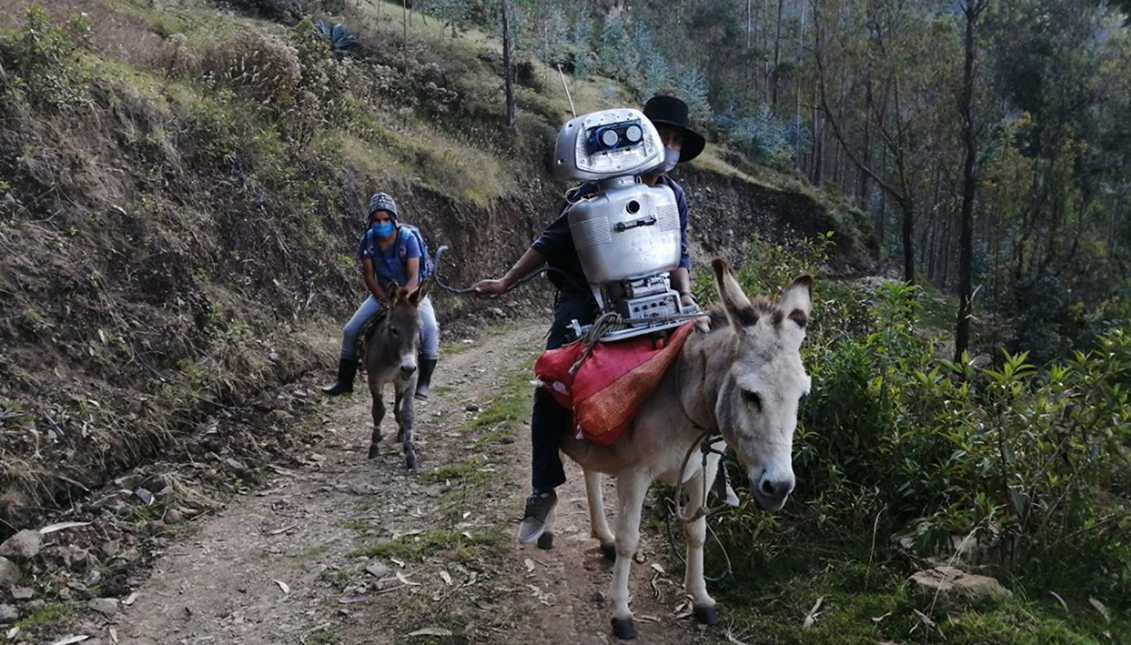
[{"x": 381, "y": 229}]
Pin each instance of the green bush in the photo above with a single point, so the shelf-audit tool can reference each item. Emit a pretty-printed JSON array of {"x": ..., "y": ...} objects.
[
  {"x": 39, "y": 62},
  {"x": 1032, "y": 463}
]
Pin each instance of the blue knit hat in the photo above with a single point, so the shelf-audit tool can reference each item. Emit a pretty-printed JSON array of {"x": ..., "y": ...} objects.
[{"x": 383, "y": 202}]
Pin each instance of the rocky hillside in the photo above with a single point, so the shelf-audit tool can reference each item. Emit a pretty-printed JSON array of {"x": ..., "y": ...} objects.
[{"x": 181, "y": 188}]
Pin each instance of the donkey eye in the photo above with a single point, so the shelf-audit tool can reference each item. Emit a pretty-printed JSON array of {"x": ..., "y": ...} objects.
[
  {"x": 394, "y": 332},
  {"x": 753, "y": 399}
]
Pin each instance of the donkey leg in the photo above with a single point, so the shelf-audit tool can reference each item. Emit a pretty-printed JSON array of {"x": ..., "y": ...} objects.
[
  {"x": 598, "y": 524},
  {"x": 407, "y": 416},
  {"x": 695, "y": 533},
  {"x": 398, "y": 415},
  {"x": 632, "y": 486},
  {"x": 378, "y": 415}
]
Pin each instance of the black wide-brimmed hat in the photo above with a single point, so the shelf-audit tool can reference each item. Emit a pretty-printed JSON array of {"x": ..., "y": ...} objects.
[{"x": 670, "y": 111}]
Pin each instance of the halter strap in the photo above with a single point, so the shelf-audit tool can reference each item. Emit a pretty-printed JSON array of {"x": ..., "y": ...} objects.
[{"x": 704, "y": 441}]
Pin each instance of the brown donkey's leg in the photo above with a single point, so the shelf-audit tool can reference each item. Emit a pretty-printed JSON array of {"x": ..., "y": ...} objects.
[
  {"x": 378, "y": 415},
  {"x": 405, "y": 415}
]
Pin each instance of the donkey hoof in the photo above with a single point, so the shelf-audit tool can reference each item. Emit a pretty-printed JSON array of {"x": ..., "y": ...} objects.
[
  {"x": 609, "y": 551},
  {"x": 624, "y": 629},
  {"x": 374, "y": 451},
  {"x": 546, "y": 541},
  {"x": 707, "y": 616},
  {"x": 410, "y": 461}
]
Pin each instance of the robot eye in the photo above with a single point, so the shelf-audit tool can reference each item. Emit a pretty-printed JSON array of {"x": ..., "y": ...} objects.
[{"x": 610, "y": 138}]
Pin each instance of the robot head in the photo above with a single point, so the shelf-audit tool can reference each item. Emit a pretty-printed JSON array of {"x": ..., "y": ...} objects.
[{"x": 605, "y": 144}]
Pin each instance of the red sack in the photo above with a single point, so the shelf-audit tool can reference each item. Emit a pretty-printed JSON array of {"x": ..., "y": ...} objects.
[{"x": 613, "y": 382}]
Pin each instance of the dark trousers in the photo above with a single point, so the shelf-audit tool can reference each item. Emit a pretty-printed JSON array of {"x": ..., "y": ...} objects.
[{"x": 548, "y": 418}]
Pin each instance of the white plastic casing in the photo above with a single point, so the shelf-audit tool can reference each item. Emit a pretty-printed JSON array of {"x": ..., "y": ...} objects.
[{"x": 573, "y": 161}]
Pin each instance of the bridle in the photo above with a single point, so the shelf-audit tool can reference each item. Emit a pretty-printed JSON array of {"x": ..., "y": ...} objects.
[{"x": 705, "y": 443}]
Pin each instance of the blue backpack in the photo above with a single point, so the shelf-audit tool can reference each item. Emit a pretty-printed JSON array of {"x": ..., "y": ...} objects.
[{"x": 426, "y": 265}]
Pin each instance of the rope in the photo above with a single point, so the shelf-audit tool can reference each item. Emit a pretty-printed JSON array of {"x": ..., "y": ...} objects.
[
  {"x": 612, "y": 321},
  {"x": 726, "y": 573},
  {"x": 675, "y": 507},
  {"x": 463, "y": 291},
  {"x": 606, "y": 323}
]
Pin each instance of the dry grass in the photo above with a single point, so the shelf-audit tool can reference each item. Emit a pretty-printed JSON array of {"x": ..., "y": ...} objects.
[{"x": 711, "y": 159}]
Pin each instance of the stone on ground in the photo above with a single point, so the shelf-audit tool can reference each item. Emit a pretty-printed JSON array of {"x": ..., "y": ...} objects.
[
  {"x": 22, "y": 546},
  {"x": 954, "y": 584}
]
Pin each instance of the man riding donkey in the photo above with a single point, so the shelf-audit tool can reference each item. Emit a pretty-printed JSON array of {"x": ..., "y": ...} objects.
[
  {"x": 575, "y": 301},
  {"x": 390, "y": 252}
]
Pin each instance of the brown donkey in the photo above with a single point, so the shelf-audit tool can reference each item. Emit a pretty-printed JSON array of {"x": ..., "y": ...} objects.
[
  {"x": 390, "y": 357},
  {"x": 742, "y": 379}
]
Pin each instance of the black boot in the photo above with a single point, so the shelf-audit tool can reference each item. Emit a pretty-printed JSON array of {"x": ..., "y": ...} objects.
[
  {"x": 424, "y": 380},
  {"x": 347, "y": 369}
]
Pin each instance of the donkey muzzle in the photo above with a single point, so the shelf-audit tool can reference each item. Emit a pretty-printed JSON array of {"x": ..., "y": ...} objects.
[
  {"x": 407, "y": 371},
  {"x": 770, "y": 493}
]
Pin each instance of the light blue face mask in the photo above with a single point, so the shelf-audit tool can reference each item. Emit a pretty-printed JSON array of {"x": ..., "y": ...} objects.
[
  {"x": 382, "y": 229},
  {"x": 671, "y": 158}
]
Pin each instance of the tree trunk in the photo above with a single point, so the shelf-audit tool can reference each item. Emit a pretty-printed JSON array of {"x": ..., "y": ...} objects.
[
  {"x": 507, "y": 71},
  {"x": 932, "y": 234},
  {"x": 971, "y": 9},
  {"x": 908, "y": 208},
  {"x": 777, "y": 61},
  {"x": 749, "y": 21},
  {"x": 404, "y": 7},
  {"x": 866, "y": 153},
  {"x": 947, "y": 238},
  {"x": 883, "y": 212},
  {"x": 815, "y": 175}
]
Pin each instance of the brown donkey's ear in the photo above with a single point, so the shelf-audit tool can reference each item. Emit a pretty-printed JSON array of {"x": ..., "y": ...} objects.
[
  {"x": 420, "y": 293},
  {"x": 393, "y": 293},
  {"x": 797, "y": 300},
  {"x": 737, "y": 306}
]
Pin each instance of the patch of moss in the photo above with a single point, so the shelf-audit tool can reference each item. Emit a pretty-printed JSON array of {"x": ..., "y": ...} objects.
[
  {"x": 339, "y": 579},
  {"x": 467, "y": 473},
  {"x": 450, "y": 349},
  {"x": 354, "y": 525},
  {"x": 322, "y": 637},
  {"x": 512, "y": 404},
  {"x": 495, "y": 437},
  {"x": 55, "y": 614}
]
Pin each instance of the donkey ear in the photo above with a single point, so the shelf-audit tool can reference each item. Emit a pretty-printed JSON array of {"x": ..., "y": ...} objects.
[
  {"x": 797, "y": 300},
  {"x": 737, "y": 306},
  {"x": 393, "y": 293},
  {"x": 416, "y": 296}
]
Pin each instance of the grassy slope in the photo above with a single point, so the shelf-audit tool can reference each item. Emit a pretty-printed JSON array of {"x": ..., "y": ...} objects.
[{"x": 171, "y": 252}]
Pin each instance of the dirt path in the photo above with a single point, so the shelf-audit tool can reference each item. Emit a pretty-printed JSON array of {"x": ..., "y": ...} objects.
[{"x": 288, "y": 564}]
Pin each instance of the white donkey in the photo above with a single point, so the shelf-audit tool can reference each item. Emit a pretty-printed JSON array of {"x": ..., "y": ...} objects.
[{"x": 744, "y": 379}]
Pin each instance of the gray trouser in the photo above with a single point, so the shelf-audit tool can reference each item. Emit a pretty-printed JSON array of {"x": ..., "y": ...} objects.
[{"x": 429, "y": 330}]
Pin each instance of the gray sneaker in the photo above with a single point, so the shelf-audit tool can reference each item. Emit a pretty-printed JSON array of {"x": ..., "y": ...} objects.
[{"x": 538, "y": 507}]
